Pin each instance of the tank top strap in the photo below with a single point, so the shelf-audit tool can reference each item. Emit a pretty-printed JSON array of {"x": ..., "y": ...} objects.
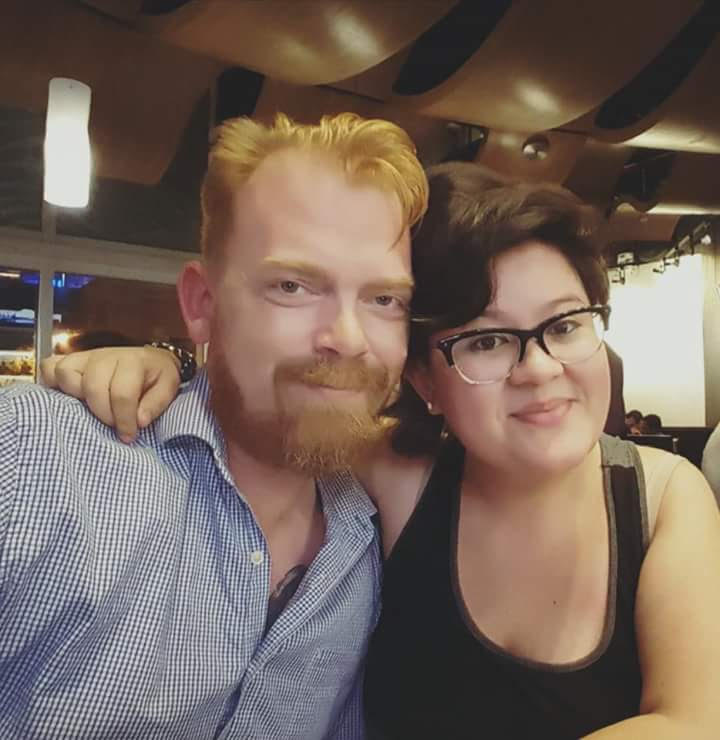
[{"x": 625, "y": 498}]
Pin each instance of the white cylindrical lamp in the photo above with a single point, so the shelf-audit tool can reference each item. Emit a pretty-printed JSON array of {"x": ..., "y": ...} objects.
[{"x": 68, "y": 162}]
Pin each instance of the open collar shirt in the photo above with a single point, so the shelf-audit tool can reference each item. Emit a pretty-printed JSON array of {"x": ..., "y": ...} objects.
[{"x": 134, "y": 583}]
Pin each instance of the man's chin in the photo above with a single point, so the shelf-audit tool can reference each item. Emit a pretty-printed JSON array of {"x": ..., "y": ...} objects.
[{"x": 328, "y": 440}]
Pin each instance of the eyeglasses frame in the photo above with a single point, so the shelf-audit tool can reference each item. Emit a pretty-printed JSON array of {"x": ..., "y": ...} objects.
[{"x": 446, "y": 344}]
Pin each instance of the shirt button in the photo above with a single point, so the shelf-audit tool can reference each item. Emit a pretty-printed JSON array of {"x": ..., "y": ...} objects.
[{"x": 256, "y": 557}]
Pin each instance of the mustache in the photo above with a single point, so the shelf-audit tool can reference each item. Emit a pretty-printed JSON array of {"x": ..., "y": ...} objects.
[{"x": 341, "y": 374}]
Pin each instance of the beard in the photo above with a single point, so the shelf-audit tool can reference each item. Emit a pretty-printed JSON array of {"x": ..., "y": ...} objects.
[{"x": 312, "y": 438}]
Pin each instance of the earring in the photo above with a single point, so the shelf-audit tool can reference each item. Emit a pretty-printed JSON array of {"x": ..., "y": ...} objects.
[{"x": 429, "y": 406}]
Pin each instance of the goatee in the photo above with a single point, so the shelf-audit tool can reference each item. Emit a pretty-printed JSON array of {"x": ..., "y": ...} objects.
[{"x": 313, "y": 438}]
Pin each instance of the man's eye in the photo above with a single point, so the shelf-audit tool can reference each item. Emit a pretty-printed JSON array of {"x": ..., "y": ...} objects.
[
  {"x": 289, "y": 286},
  {"x": 390, "y": 301}
]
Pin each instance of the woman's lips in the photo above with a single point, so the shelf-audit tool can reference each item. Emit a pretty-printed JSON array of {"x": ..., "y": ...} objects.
[{"x": 544, "y": 414}]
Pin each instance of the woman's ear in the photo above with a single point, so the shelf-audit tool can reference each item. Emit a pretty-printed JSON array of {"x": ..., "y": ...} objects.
[
  {"x": 196, "y": 301},
  {"x": 418, "y": 375}
]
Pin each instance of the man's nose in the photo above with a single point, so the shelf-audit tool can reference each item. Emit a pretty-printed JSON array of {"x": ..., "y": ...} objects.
[{"x": 343, "y": 334}]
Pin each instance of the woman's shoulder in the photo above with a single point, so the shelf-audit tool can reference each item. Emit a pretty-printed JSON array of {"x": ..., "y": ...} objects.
[
  {"x": 394, "y": 482},
  {"x": 667, "y": 474}
]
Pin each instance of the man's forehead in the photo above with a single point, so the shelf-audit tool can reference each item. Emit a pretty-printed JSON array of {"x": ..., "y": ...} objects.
[
  {"x": 293, "y": 197},
  {"x": 311, "y": 179}
]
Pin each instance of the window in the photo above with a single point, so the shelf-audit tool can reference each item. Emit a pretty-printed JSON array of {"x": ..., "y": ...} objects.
[
  {"x": 92, "y": 311},
  {"x": 18, "y": 307}
]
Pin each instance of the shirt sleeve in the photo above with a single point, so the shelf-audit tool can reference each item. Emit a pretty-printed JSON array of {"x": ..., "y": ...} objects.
[{"x": 8, "y": 477}]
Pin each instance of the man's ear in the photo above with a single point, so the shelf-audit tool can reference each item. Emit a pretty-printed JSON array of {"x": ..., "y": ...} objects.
[
  {"x": 418, "y": 375},
  {"x": 196, "y": 299}
]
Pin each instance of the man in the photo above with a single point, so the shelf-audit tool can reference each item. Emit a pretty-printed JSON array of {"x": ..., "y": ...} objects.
[
  {"x": 651, "y": 424},
  {"x": 219, "y": 577},
  {"x": 633, "y": 420}
]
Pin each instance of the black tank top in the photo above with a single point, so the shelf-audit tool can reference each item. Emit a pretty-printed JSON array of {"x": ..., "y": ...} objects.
[{"x": 431, "y": 675}]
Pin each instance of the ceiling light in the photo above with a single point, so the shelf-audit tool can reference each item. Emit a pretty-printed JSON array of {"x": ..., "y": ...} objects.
[
  {"x": 536, "y": 147},
  {"x": 67, "y": 144}
]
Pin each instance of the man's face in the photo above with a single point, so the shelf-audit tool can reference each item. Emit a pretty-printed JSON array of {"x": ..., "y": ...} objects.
[{"x": 309, "y": 315}]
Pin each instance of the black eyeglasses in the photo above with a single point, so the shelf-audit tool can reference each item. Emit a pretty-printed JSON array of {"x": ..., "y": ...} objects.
[{"x": 489, "y": 355}]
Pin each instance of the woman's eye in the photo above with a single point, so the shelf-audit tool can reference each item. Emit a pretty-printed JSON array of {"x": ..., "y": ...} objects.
[
  {"x": 563, "y": 327},
  {"x": 488, "y": 342}
]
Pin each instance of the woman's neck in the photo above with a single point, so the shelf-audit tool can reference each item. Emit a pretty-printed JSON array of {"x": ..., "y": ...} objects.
[{"x": 516, "y": 489}]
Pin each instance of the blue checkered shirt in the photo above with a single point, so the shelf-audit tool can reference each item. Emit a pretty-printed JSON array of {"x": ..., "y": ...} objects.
[{"x": 134, "y": 583}]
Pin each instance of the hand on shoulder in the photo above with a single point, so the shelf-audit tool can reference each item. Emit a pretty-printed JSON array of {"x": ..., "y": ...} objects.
[{"x": 125, "y": 387}]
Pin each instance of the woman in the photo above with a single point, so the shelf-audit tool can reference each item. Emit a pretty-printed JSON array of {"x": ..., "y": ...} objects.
[{"x": 542, "y": 580}]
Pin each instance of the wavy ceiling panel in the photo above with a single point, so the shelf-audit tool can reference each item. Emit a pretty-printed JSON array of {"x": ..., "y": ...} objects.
[
  {"x": 432, "y": 137},
  {"x": 548, "y": 63},
  {"x": 299, "y": 42},
  {"x": 143, "y": 91},
  {"x": 689, "y": 120},
  {"x": 673, "y": 102},
  {"x": 124, "y": 10}
]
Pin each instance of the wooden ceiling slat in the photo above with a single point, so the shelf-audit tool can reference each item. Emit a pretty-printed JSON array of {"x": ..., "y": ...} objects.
[
  {"x": 306, "y": 43},
  {"x": 627, "y": 225},
  {"x": 143, "y": 91},
  {"x": 596, "y": 172},
  {"x": 692, "y": 187},
  {"x": 549, "y": 63}
]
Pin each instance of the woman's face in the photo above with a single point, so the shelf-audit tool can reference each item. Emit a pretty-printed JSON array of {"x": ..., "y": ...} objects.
[{"x": 545, "y": 416}]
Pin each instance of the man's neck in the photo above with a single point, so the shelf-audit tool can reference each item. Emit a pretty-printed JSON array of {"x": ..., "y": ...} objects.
[{"x": 274, "y": 493}]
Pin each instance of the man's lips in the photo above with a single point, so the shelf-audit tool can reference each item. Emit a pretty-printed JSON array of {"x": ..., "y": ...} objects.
[{"x": 544, "y": 413}]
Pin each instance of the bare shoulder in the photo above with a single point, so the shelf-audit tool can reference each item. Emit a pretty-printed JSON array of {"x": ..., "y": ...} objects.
[
  {"x": 674, "y": 479},
  {"x": 658, "y": 468},
  {"x": 678, "y": 600},
  {"x": 394, "y": 483}
]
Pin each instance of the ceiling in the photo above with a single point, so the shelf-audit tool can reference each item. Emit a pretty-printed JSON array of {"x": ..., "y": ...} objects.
[{"x": 614, "y": 99}]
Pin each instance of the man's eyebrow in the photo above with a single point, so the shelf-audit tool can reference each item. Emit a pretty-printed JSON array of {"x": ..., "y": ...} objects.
[
  {"x": 309, "y": 270},
  {"x": 306, "y": 269},
  {"x": 399, "y": 285}
]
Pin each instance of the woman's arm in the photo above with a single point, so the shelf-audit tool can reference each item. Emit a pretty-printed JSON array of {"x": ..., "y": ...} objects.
[
  {"x": 125, "y": 387},
  {"x": 677, "y": 618}
]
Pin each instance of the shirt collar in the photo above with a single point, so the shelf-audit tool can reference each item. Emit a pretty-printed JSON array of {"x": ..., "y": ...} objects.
[{"x": 189, "y": 415}]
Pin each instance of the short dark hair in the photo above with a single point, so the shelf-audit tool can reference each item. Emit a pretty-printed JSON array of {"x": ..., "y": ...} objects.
[
  {"x": 634, "y": 414},
  {"x": 474, "y": 216},
  {"x": 653, "y": 424}
]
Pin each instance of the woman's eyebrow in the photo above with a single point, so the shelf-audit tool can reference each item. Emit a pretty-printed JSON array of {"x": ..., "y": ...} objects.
[{"x": 494, "y": 315}]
